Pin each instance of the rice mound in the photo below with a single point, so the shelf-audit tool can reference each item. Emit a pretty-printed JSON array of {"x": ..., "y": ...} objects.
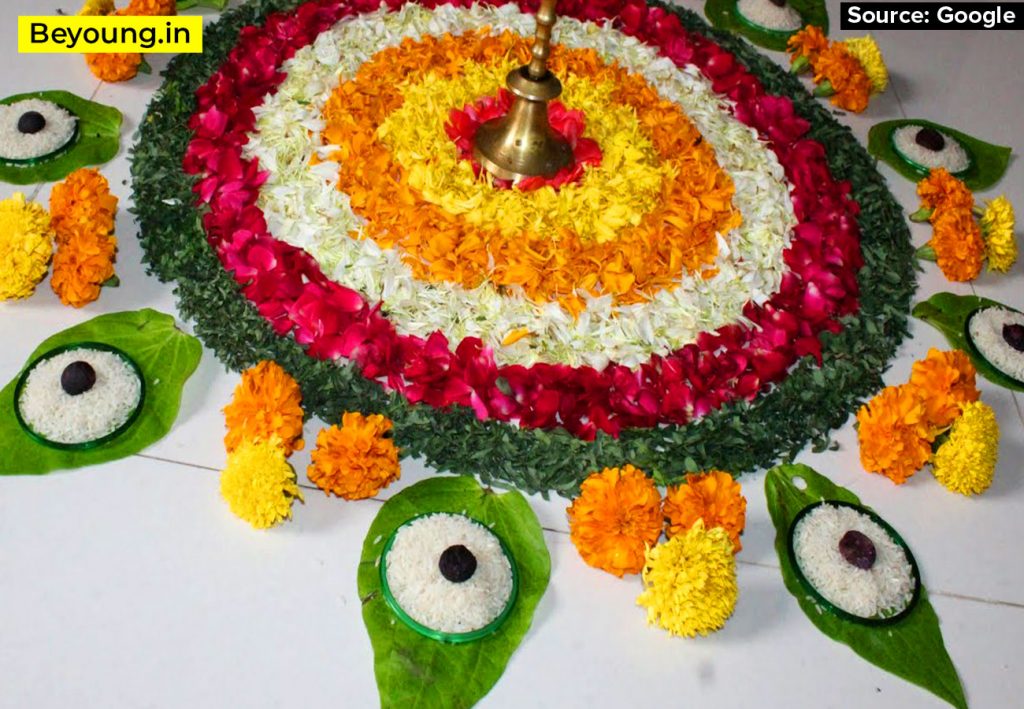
[
  {"x": 58, "y": 132},
  {"x": 419, "y": 588},
  {"x": 986, "y": 330},
  {"x": 57, "y": 416},
  {"x": 953, "y": 156},
  {"x": 767, "y": 14},
  {"x": 883, "y": 590}
]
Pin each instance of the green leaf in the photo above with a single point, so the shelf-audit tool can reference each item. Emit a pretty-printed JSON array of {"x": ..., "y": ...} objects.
[
  {"x": 724, "y": 15},
  {"x": 413, "y": 670},
  {"x": 99, "y": 139},
  {"x": 212, "y": 4},
  {"x": 948, "y": 313},
  {"x": 910, "y": 648},
  {"x": 926, "y": 253},
  {"x": 988, "y": 161},
  {"x": 167, "y": 358}
]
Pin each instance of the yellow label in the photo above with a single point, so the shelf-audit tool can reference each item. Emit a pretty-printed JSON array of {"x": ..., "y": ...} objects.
[{"x": 101, "y": 35}]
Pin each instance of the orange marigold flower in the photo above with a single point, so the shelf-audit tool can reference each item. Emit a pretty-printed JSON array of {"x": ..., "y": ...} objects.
[
  {"x": 615, "y": 518},
  {"x": 114, "y": 67},
  {"x": 958, "y": 244},
  {"x": 808, "y": 42},
  {"x": 941, "y": 191},
  {"x": 895, "y": 440},
  {"x": 151, "y": 8},
  {"x": 356, "y": 460},
  {"x": 850, "y": 83},
  {"x": 945, "y": 382},
  {"x": 713, "y": 497},
  {"x": 82, "y": 264},
  {"x": 267, "y": 404},
  {"x": 82, "y": 202}
]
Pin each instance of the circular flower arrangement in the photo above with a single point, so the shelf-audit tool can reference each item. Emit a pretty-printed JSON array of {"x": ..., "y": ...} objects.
[{"x": 715, "y": 288}]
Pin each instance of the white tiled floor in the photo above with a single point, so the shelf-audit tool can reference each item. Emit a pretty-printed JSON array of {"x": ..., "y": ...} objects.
[{"x": 131, "y": 585}]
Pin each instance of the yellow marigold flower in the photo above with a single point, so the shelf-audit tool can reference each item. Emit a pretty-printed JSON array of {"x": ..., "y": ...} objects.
[
  {"x": 690, "y": 582},
  {"x": 945, "y": 383},
  {"x": 866, "y": 51},
  {"x": 26, "y": 244},
  {"x": 841, "y": 77},
  {"x": 895, "y": 439},
  {"x": 966, "y": 462},
  {"x": 82, "y": 201},
  {"x": 266, "y": 405},
  {"x": 713, "y": 497},
  {"x": 356, "y": 460},
  {"x": 959, "y": 248},
  {"x": 114, "y": 67},
  {"x": 97, "y": 7},
  {"x": 259, "y": 484},
  {"x": 83, "y": 263},
  {"x": 808, "y": 43},
  {"x": 615, "y": 518},
  {"x": 997, "y": 225},
  {"x": 941, "y": 191}
]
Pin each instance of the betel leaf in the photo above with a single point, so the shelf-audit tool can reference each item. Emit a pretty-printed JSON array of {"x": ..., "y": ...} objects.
[
  {"x": 212, "y": 4},
  {"x": 167, "y": 358},
  {"x": 988, "y": 161},
  {"x": 413, "y": 670},
  {"x": 911, "y": 647},
  {"x": 948, "y": 313},
  {"x": 99, "y": 139},
  {"x": 724, "y": 15}
]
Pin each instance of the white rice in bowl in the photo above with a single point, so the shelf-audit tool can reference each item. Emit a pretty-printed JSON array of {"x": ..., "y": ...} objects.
[
  {"x": 59, "y": 130},
  {"x": 417, "y": 585},
  {"x": 59, "y": 417},
  {"x": 985, "y": 328},
  {"x": 767, "y": 14},
  {"x": 883, "y": 590},
  {"x": 953, "y": 156}
]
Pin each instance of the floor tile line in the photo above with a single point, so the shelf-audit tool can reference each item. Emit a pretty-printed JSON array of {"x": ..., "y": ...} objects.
[{"x": 176, "y": 462}]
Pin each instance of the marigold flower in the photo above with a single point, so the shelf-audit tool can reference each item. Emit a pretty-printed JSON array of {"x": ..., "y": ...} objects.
[
  {"x": 690, "y": 582},
  {"x": 807, "y": 44},
  {"x": 866, "y": 51},
  {"x": 941, "y": 191},
  {"x": 959, "y": 248},
  {"x": 93, "y": 8},
  {"x": 945, "y": 383},
  {"x": 966, "y": 462},
  {"x": 83, "y": 263},
  {"x": 713, "y": 497},
  {"x": 356, "y": 460},
  {"x": 997, "y": 225},
  {"x": 151, "y": 8},
  {"x": 259, "y": 484},
  {"x": 26, "y": 244},
  {"x": 82, "y": 202},
  {"x": 266, "y": 405},
  {"x": 114, "y": 67},
  {"x": 841, "y": 77},
  {"x": 894, "y": 434},
  {"x": 615, "y": 518}
]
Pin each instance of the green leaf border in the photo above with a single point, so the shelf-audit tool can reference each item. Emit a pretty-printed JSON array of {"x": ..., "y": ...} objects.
[
  {"x": 724, "y": 15},
  {"x": 910, "y": 648},
  {"x": 412, "y": 670},
  {"x": 739, "y": 437},
  {"x": 988, "y": 161},
  {"x": 948, "y": 313},
  {"x": 166, "y": 346},
  {"x": 99, "y": 139}
]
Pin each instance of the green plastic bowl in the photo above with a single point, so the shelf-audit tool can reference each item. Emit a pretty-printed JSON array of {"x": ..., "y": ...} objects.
[
  {"x": 827, "y": 604},
  {"x": 781, "y": 34},
  {"x": 84, "y": 445},
  {"x": 924, "y": 170},
  {"x": 433, "y": 634}
]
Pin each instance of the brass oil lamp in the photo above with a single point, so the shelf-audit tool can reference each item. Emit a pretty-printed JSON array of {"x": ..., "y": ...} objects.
[{"x": 522, "y": 143}]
